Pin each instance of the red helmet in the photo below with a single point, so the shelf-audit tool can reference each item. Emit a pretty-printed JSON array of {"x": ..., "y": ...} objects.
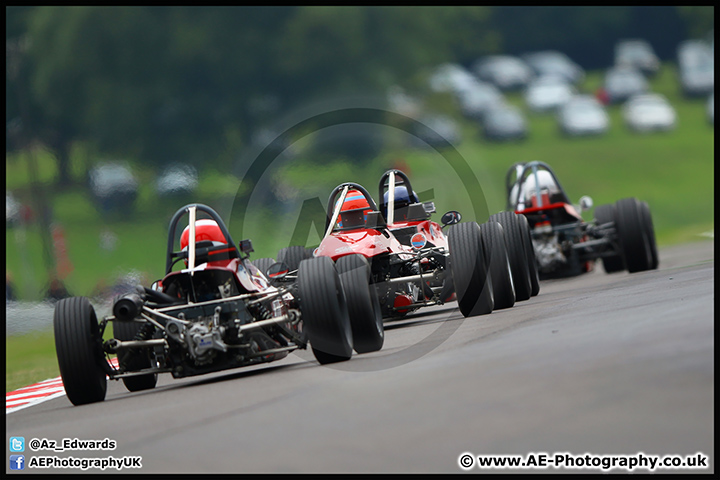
[
  {"x": 354, "y": 210},
  {"x": 205, "y": 229}
]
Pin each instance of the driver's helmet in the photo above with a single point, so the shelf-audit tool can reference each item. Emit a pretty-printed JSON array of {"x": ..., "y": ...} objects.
[
  {"x": 402, "y": 199},
  {"x": 206, "y": 230},
  {"x": 354, "y": 210},
  {"x": 548, "y": 189}
]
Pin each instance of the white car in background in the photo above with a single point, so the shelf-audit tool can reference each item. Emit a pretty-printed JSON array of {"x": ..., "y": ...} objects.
[{"x": 648, "y": 113}]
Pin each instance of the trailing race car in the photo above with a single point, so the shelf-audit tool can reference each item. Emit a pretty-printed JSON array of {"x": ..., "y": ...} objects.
[
  {"x": 403, "y": 277},
  {"x": 504, "y": 233},
  {"x": 621, "y": 234},
  {"x": 217, "y": 312}
]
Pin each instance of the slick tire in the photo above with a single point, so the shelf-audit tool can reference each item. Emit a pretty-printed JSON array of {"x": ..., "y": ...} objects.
[
  {"x": 498, "y": 264},
  {"x": 530, "y": 252},
  {"x": 469, "y": 272},
  {"x": 363, "y": 305},
  {"x": 263, "y": 264},
  {"x": 292, "y": 256},
  {"x": 517, "y": 254},
  {"x": 633, "y": 236},
  {"x": 650, "y": 232},
  {"x": 324, "y": 310},
  {"x": 605, "y": 214},
  {"x": 79, "y": 351}
]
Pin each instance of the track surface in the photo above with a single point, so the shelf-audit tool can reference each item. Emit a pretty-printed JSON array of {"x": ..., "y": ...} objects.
[{"x": 600, "y": 364}]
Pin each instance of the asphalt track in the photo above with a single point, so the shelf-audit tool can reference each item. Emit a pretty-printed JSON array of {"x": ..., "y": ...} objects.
[{"x": 599, "y": 364}]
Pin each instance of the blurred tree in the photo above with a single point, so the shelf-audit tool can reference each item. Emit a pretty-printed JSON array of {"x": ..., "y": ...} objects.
[
  {"x": 166, "y": 84},
  {"x": 699, "y": 19}
]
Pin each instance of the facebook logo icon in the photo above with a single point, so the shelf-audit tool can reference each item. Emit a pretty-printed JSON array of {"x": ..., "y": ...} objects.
[{"x": 17, "y": 462}]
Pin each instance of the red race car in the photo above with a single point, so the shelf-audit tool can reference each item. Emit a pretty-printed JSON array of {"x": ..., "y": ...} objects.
[{"x": 409, "y": 260}]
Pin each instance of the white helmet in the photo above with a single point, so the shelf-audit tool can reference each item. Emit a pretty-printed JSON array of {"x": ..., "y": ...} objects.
[{"x": 529, "y": 188}]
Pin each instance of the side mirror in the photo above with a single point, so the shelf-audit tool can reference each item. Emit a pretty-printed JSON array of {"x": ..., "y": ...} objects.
[
  {"x": 586, "y": 203},
  {"x": 277, "y": 271},
  {"x": 450, "y": 218}
]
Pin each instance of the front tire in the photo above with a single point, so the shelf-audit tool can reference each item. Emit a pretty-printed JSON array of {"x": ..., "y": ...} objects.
[
  {"x": 363, "y": 305},
  {"x": 605, "y": 214},
  {"x": 469, "y": 271},
  {"x": 324, "y": 310},
  {"x": 292, "y": 256},
  {"x": 79, "y": 351},
  {"x": 633, "y": 237}
]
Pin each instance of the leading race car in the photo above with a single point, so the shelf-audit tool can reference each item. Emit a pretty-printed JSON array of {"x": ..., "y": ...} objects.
[
  {"x": 621, "y": 234},
  {"x": 218, "y": 311}
]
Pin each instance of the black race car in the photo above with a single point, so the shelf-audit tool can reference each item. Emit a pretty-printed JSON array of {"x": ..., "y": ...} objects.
[
  {"x": 218, "y": 311},
  {"x": 621, "y": 234}
]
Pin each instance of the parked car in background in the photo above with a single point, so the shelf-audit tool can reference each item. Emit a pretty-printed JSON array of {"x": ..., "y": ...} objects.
[
  {"x": 698, "y": 81},
  {"x": 622, "y": 82},
  {"x": 691, "y": 53},
  {"x": 451, "y": 77},
  {"x": 12, "y": 209},
  {"x": 478, "y": 98},
  {"x": 507, "y": 72},
  {"x": 177, "y": 179},
  {"x": 583, "y": 115},
  {"x": 554, "y": 62},
  {"x": 113, "y": 186},
  {"x": 648, "y": 113},
  {"x": 505, "y": 123},
  {"x": 439, "y": 129},
  {"x": 547, "y": 93},
  {"x": 639, "y": 54}
]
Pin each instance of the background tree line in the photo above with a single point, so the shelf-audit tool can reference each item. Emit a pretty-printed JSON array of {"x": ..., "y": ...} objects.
[{"x": 192, "y": 84}]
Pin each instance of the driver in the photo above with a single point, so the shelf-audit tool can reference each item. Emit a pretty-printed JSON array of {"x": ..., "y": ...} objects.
[
  {"x": 353, "y": 213},
  {"x": 402, "y": 200},
  {"x": 545, "y": 185},
  {"x": 207, "y": 233}
]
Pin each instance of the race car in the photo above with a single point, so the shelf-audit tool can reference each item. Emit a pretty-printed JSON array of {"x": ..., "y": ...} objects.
[
  {"x": 412, "y": 262},
  {"x": 406, "y": 220},
  {"x": 621, "y": 234},
  {"x": 217, "y": 311}
]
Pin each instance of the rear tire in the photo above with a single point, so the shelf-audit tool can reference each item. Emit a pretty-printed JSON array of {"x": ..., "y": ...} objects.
[
  {"x": 650, "y": 232},
  {"x": 604, "y": 214},
  {"x": 292, "y": 256},
  {"x": 324, "y": 310},
  {"x": 519, "y": 264},
  {"x": 498, "y": 265},
  {"x": 79, "y": 351},
  {"x": 633, "y": 238},
  {"x": 363, "y": 305},
  {"x": 134, "y": 360},
  {"x": 530, "y": 252},
  {"x": 469, "y": 272}
]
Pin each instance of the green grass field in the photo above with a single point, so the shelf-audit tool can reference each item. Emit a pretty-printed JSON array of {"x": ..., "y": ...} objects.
[{"x": 673, "y": 172}]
